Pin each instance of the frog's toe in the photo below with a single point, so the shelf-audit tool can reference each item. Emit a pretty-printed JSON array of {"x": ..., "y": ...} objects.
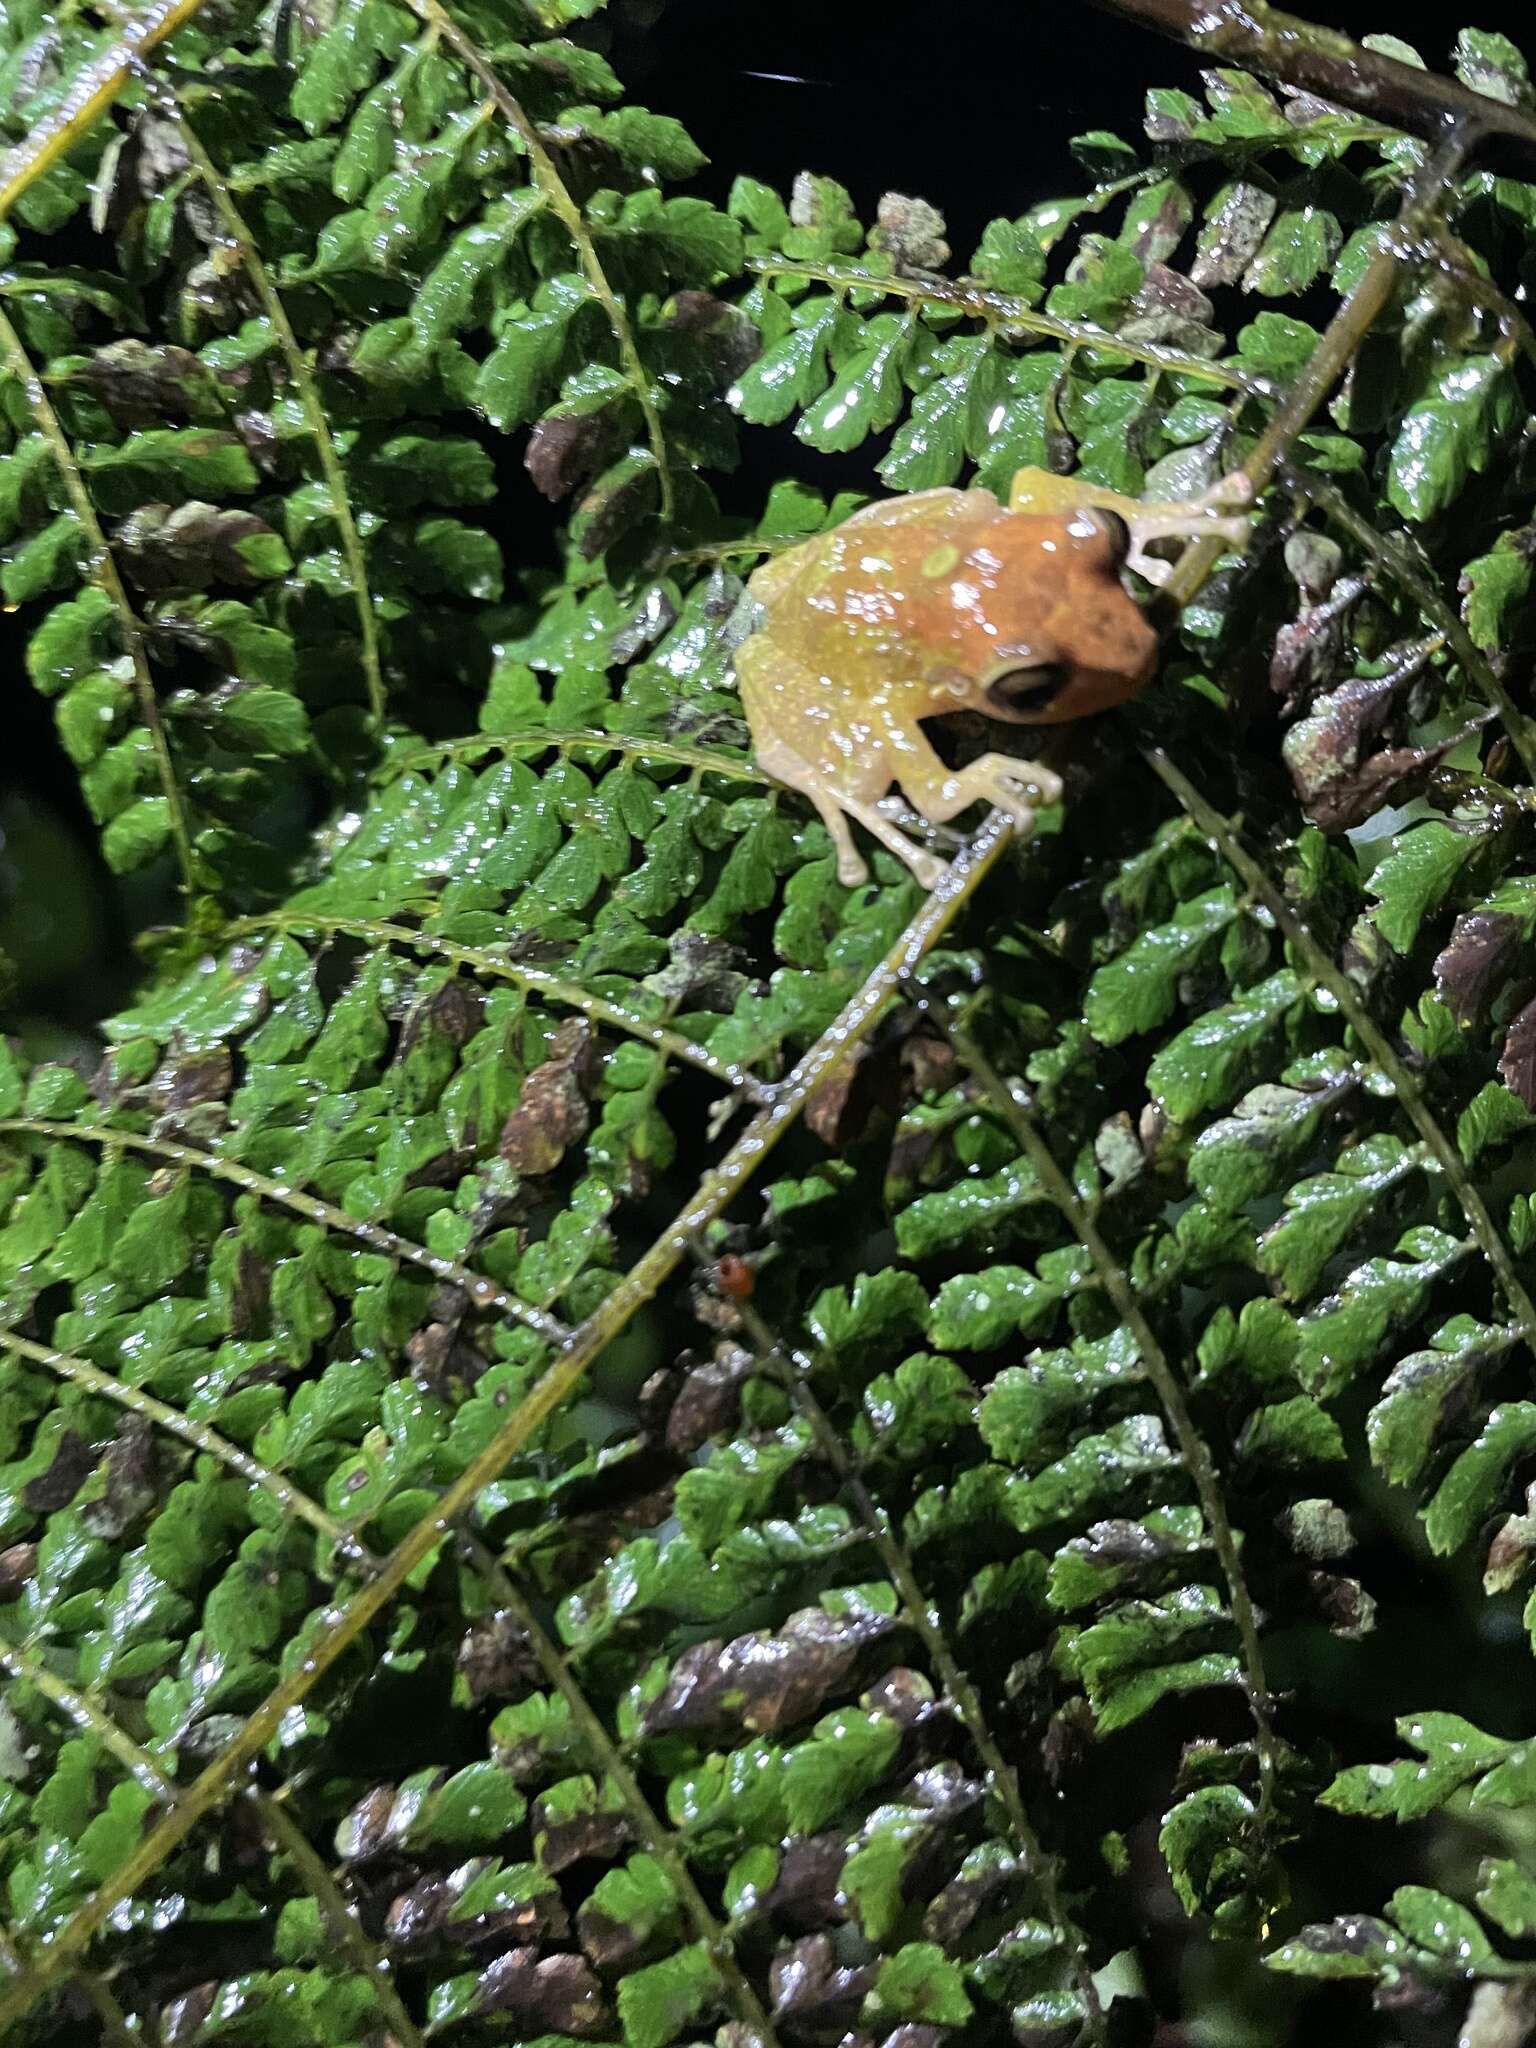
[
  {"x": 1229, "y": 492},
  {"x": 1150, "y": 568},
  {"x": 1045, "y": 783},
  {"x": 928, "y": 870},
  {"x": 1017, "y": 787}
]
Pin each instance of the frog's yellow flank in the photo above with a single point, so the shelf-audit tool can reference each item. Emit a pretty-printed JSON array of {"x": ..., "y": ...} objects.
[{"x": 945, "y": 601}]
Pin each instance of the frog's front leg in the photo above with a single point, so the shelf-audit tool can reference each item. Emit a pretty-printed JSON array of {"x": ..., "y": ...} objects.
[
  {"x": 781, "y": 701},
  {"x": 1188, "y": 519},
  {"x": 940, "y": 793}
]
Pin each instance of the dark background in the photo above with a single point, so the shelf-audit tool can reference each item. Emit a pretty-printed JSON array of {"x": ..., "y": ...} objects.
[{"x": 969, "y": 104}]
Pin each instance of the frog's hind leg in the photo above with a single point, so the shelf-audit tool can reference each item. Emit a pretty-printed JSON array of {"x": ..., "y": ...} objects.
[
  {"x": 928, "y": 868},
  {"x": 779, "y": 760},
  {"x": 770, "y": 706},
  {"x": 784, "y": 765}
]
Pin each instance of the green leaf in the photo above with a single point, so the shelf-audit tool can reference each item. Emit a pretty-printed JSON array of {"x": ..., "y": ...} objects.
[
  {"x": 45, "y": 561},
  {"x": 1298, "y": 247},
  {"x": 949, "y": 417},
  {"x": 875, "y": 1871},
  {"x": 1203, "y": 1843},
  {"x": 1208, "y": 1062},
  {"x": 921, "y": 1985},
  {"x": 1094, "y": 1475},
  {"x": 1343, "y": 1334},
  {"x": 260, "y": 720},
  {"x": 1493, "y": 587},
  {"x": 138, "y": 832},
  {"x": 658, "y": 2003},
  {"x": 1138, "y": 990},
  {"x": 1472, "y": 1486},
  {"x": 1425, "y": 1389},
  {"x": 866, "y": 390},
  {"x": 1448, "y": 434},
  {"x": 1415, "y": 878},
  {"x": 470, "y": 261},
  {"x": 1506, "y": 1895},
  {"x": 1454, "y": 1753},
  {"x": 1438, "y": 1924},
  {"x": 1323, "y": 1213}
]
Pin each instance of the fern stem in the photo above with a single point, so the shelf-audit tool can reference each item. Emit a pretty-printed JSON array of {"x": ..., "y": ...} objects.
[
  {"x": 1324, "y": 61},
  {"x": 554, "y": 987},
  {"x": 115, "y": 2030},
  {"x": 794, "y": 1374},
  {"x": 88, "y": 97},
  {"x": 146, "y": 1769},
  {"x": 1004, "y": 309},
  {"x": 1381, "y": 1049},
  {"x": 105, "y": 573},
  {"x": 1198, "y": 1462},
  {"x": 304, "y": 383},
  {"x": 367, "y": 1957},
  {"x": 196, "y": 1433},
  {"x": 1337, "y": 346},
  {"x": 483, "y": 1293},
  {"x": 659, "y": 1840},
  {"x": 79, "y": 1707},
  {"x": 1399, "y": 564},
  {"x": 715, "y": 1192},
  {"x": 536, "y": 740},
  {"x": 553, "y": 186},
  {"x": 1457, "y": 261}
]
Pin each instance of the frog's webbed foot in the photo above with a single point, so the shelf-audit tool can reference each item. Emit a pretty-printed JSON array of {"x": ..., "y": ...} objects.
[
  {"x": 1015, "y": 786},
  {"x": 1195, "y": 518},
  {"x": 835, "y": 811}
]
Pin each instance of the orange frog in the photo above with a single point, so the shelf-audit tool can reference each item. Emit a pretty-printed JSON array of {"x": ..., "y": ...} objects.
[{"x": 946, "y": 601}]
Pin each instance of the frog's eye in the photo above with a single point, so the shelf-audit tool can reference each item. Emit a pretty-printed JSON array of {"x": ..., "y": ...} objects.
[
  {"x": 1020, "y": 692},
  {"x": 1114, "y": 530}
]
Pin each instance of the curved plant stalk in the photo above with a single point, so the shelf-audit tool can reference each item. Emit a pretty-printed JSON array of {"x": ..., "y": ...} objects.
[
  {"x": 1381, "y": 1049},
  {"x": 553, "y": 187},
  {"x": 484, "y": 1294},
  {"x": 794, "y": 1375},
  {"x": 1399, "y": 564},
  {"x": 553, "y": 987},
  {"x": 290, "y": 1497},
  {"x": 279, "y": 1824},
  {"x": 299, "y": 370},
  {"x": 365, "y": 1956},
  {"x": 657, "y": 1838},
  {"x": 538, "y": 740},
  {"x": 89, "y": 97},
  {"x": 1322, "y": 60},
  {"x": 1458, "y": 263},
  {"x": 1337, "y": 346},
  {"x": 104, "y": 573},
  {"x": 1014, "y": 1107},
  {"x": 115, "y": 2030},
  {"x": 1003, "y": 309},
  {"x": 79, "y": 1707},
  {"x": 714, "y": 1194}
]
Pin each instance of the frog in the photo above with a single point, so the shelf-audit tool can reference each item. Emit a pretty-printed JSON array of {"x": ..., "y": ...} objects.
[{"x": 947, "y": 600}]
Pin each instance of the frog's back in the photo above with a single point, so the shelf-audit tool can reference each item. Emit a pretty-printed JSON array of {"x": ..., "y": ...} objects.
[{"x": 854, "y": 587}]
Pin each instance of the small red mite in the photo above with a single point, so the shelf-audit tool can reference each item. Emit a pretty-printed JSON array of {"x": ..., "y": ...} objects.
[{"x": 733, "y": 1276}]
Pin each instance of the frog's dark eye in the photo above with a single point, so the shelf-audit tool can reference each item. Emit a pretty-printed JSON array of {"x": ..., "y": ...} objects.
[
  {"x": 1019, "y": 692},
  {"x": 1115, "y": 531}
]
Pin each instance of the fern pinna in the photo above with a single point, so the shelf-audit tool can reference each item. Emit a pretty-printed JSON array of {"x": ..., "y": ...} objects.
[{"x": 602, "y": 1438}]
